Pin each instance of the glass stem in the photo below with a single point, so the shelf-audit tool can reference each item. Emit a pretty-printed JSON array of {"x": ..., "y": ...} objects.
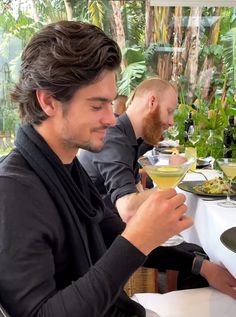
[{"x": 228, "y": 192}]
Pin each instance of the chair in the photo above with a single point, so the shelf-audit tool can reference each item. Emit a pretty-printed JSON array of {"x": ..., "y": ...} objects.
[{"x": 144, "y": 280}]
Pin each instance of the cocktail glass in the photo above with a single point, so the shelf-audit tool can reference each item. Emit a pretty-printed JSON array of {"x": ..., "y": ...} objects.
[
  {"x": 193, "y": 135},
  {"x": 167, "y": 173},
  {"x": 228, "y": 166},
  {"x": 173, "y": 131}
]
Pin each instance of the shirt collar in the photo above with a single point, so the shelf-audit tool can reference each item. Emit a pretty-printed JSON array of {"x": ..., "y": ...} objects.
[{"x": 124, "y": 121}]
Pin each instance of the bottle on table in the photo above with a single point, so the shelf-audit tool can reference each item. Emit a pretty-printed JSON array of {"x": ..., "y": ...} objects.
[
  {"x": 187, "y": 124},
  {"x": 229, "y": 138}
]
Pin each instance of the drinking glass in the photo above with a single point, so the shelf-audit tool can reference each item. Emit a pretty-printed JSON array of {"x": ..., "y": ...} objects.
[
  {"x": 173, "y": 131},
  {"x": 166, "y": 175},
  {"x": 228, "y": 166},
  {"x": 193, "y": 135},
  {"x": 191, "y": 152}
]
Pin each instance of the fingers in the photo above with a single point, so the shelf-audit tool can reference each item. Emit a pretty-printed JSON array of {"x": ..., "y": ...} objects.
[
  {"x": 185, "y": 222},
  {"x": 175, "y": 204},
  {"x": 230, "y": 291},
  {"x": 176, "y": 199},
  {"x": 167, "y": 193}
]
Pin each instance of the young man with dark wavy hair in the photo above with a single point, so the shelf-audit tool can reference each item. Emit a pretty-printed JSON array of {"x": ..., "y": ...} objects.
[{"x": 62, "y": 254}]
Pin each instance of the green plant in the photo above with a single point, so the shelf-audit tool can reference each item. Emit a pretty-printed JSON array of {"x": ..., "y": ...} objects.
[
  {"x": 134, "y": 73},
  {"x": 229, "y": 57}
]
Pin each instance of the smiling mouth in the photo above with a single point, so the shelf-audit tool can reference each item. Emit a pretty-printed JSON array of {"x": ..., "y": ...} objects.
[{"x": 101, "y": 132}]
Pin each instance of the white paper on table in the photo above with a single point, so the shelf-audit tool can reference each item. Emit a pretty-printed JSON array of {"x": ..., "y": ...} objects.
[{"x": 204, "y": 302}]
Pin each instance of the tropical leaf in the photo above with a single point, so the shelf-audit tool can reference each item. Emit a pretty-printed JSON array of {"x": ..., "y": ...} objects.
[
  {"x": 96, "y": 10},
  {"x": 133, "y": 54},
  {"x": 229, "y": 56},
  {"x": 134, "y": 21},
  {"x": 131, "y": 77}
]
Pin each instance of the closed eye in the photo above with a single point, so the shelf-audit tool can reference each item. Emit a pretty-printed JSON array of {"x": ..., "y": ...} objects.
[{"x": 96, "y": 108}]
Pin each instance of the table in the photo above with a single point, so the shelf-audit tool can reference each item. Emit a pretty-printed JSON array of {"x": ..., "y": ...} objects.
[
  {"x": 210, "y": 221},
  {"x": 204, "y": 302}
]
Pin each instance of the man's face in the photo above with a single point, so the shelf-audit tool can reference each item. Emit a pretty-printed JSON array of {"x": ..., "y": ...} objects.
[
  {"x": 88, "y": 115},
  {"x": 161, "y": 118}
]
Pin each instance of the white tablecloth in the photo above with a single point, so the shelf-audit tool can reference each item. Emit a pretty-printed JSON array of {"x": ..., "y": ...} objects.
[
  {"x": 204, "y": 302},
  {"x": 210, "y": 221}
]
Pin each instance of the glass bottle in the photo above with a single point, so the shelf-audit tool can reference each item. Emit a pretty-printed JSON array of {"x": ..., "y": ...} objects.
[
  {"x": 187, "y": 124},
  {"x": 228, "y": 138}
]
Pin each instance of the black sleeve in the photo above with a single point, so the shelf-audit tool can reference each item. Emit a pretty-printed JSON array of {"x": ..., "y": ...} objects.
[
  {"x": 111, "y": 226},
  {"x": 33, "y": 258},
  {"x": 115, "y": 163},
  {"x": 179, "y": 258}
]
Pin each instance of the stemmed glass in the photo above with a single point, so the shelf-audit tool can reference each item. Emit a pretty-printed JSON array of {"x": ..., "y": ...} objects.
[
  {"x": 193, "y": 135},
  {"x": 166, "y": 174},
  {"x": 173, "y": 131},
  {"x": 228, "y": 166}
]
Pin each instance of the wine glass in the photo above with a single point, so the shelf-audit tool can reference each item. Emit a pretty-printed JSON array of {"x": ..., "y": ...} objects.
[
  {"x": 193, "y": 135},
  {"x": 228, "y": 166},
  {"x": 173, "y": 131},
  {"x": 166, "y": 174}
]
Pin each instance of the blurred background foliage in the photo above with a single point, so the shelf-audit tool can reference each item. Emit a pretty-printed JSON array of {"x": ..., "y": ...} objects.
[{"x": 193, "y": 47}]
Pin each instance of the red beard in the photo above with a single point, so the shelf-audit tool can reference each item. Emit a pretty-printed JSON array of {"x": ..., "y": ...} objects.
[{"x": 153, "y": 128}]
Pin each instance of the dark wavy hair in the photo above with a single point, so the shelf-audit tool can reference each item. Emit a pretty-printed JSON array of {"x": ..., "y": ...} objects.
[{"x": 61, "y": 58}]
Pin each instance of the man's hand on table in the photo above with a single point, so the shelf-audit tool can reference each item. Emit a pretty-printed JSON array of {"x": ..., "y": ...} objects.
[
  {"x": 159, "y": 217},
  {"x": 219, "y": 278}
]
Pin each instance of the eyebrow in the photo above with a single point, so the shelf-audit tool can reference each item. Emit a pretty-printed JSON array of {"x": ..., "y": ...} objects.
[{"x": 102, "y": 99}]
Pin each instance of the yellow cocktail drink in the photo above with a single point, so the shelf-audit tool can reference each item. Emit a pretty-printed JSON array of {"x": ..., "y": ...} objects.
[
  {"x": 166, "y": 172},
  {"x": 229, "y": 169},
  {"x": 228, "y": 166},
  {"x": 165, "y": 176}
]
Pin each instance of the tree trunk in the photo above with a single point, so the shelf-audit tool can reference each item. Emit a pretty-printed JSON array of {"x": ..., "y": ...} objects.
[
  {"x": 192, "y": 64},
  {"x": 161, "y": 20},
  {"x": 149, "y": 27},
  {"x": 120, "y": 34},
  {"x": 162, "y": 36},
  {"x": 177, "y": 63},
  {"x": 208, "y": 67},
  {"x": 69, "y": 9}
]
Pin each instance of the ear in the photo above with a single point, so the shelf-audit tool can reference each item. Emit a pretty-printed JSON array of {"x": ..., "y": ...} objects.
[
  {"x": 152, "y": 103},
  {"x": 47, "y": 102}
]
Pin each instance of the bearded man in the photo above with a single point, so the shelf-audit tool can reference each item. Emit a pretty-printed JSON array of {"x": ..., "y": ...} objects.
[{"x": 114, "y": 169}]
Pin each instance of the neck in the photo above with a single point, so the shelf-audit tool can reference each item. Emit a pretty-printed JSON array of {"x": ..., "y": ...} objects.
[
  {"x": 136, "y": 120},
  {"x": 49, "y": 136}
]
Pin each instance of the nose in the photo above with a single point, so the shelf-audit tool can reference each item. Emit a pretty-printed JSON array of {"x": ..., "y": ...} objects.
[
  {"x": 171, "y": 121},
  {"x": 108, "y": 118}
]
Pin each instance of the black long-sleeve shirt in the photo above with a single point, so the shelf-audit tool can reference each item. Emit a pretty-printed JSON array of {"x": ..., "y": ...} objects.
[{"x": 34, "y": 261}]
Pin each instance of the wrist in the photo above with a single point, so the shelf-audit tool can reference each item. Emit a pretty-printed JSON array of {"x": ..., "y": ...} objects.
[{"x": 198, "y": 262}]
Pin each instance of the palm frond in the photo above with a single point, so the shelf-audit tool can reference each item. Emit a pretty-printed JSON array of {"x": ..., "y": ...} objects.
[
  {"x": 133, "y": 74},
  {"x": 229, "y": 57}
]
